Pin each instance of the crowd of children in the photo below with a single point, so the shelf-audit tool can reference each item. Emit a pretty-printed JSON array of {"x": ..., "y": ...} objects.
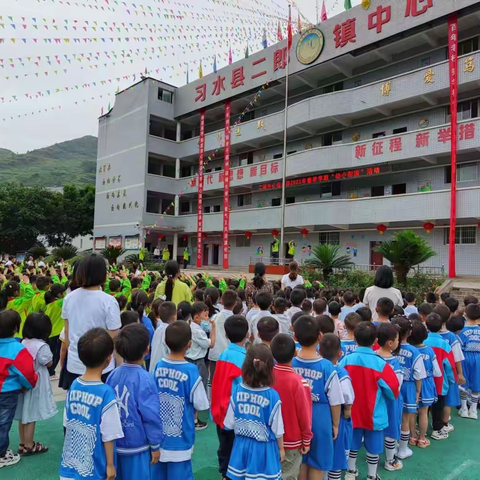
[{"x": 296, "y": 383}]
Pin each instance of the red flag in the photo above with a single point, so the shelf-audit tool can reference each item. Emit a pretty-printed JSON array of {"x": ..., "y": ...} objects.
[
  {"x": 290, "y": 35},
  {"x": 323, "y": 16},
  {"x": 230, "y": 60},
  {"x": 279, "y": 32}
]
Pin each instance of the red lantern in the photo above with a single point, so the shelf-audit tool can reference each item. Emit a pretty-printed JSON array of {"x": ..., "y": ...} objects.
[
  {"x": 304, "y": 232},
  {"x": 275, "y": 233},
  {"x": 381, "y": 228},
  {"x": 204, "y": 235},
  {"x": 248, "y": 235},
  {"x": 185, "y": 238},
  {"x": 428, "y": 226},
  {"x": 160, "y": 236}
]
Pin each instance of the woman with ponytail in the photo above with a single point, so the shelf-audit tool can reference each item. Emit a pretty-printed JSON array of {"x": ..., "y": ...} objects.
[
  {"x": 292, "y": 279},
  {"x": 139, "y": 304},
  {"x": 258, "y": 284},
  {"x": 173, "y": 289}
]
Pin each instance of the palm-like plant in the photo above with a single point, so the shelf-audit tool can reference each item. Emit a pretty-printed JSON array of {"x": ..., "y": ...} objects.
[
  {"x": 134, "y": 259},
  {"x": 66, "y": 252},
  {"x": 405, "y": 250},
  {"x": 112, "y": 253},
  {"x": 327, "y": 257},
  {"x": 37, "y": 251}
]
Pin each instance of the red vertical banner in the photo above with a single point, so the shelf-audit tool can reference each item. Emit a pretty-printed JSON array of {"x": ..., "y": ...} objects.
[
  {"x": 453, "y": 68},
  {"x": 201, "y": 149},
  {"x": 226, "y": 185}
]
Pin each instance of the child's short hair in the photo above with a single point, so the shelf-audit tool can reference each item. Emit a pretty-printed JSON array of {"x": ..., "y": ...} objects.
[
  {"x": 387, "y": 332},
  {"x": 10, "y": 322},
  {"x": 452, "y": 304},
  {"x": 127, "y": 318},
  {"x": 330, "y": 346},
  {"x": 349, "y": 298},
  {"x": 431, "y": 297},
  {"x": 306, "y": 330},
  {"x": 257, "y": 369},
  {"x": 167, "y": 312},
  {"x": 43, "y": 282},
  {"x": 352, "y": 320},
  {"x": 306, "y": 306},
  {"x": 325, "y": 324},
  {"x": 37, "y": 325},
  {"x": 365, "y": 334},
  {"x": 132, "y": 342},
  {"x": 425, "y": 309},
  {"x": 334, "y": 308},
  {"x": 472, "y": 311},
  {"x": 404, "y": 324},
  {"x": 443, "y": 311},
  {"x": 414, "y": 316},
  {"x": 410, "y": 297},
  {"x": 384, "y": 307},
  {"x": 114, "y": 285},
  {"x": 444, "y": 296},
  {"x": 177, "y": 336},
  {"x": 470, "y": 299},
  {"x": 267, "y": 328},
  {"x": 296, "y": 316},
  {"x": 419, "y": 333},
  {"x": 122, "y": 302},
  {"x": 319, "y": 306},
  {"x": 238, "y": 308},
  {"x": 365, "y": 314},
  {"x": 297, "y": 297},
  {"x": 397, "y": 310},
  {"x": 434, "y": 322},
  {"x": 229, "y": 298},
  {"x": 199, "y": 295},
  {"x": 197, "y": 308},
  {"x": 241, "y": 294},
  {"x": 184, "y": 311},
  {"x": 264, "y": 300},
  {"x": 94, "y": 347},
  {"x": 236, "y": 328},
  {"x": 456, "y": 324},
  {"x": 283, "y": 348},
  {"x": 280, "y": 305},
  {"x": 136, "y": 282}
]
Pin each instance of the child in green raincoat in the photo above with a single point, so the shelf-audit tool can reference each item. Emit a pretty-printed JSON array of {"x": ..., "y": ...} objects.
[{"x": 12, "y": 299}]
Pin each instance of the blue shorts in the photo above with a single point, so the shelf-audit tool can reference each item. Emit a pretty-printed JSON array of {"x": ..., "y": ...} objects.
[
  {"x": 172, "y": 470},
  {"x": 452, "y": 398},
  {"x": 373, "y": 440},
  {"x": 135, "y": 466},
  {"x": 409, "y": 394},
  {"x": 341, "y": 445}
]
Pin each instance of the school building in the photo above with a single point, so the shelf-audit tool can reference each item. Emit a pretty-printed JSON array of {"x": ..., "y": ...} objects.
[{"x": 368, "y": 144}]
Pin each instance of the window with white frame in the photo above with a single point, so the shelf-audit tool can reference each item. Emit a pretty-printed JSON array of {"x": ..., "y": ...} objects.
[
  {"x": 463, "y": 236},
  {"x": 332, "y": 238}
]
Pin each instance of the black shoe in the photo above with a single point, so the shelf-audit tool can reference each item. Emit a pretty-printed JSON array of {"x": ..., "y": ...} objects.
[{"x": 199, "y": 425}]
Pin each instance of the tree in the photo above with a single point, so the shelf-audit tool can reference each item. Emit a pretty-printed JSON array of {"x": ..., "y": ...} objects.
[
  {"x": 404, "y": 251},
  {"x": 70, "y": 215},
  {"x": 23, "y": 216},
  {"x": 66, "y": 252},
  {"x": 111, "y": 253},
  {"x": 326, "y": 258}
]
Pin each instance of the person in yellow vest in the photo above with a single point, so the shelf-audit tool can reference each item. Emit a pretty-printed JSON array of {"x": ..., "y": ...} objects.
[
  {"x": 186, "y": 258},
  {"x": 275, "y": 247},
  {"x": 291, "y": 248},
  {"x": 166, "y": 254}
]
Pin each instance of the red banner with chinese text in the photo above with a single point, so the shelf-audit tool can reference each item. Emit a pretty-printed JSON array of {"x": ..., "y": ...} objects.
[
  {"x": 453, "y": 64},
  {"x": 201, "y": 149},
  {"x": 226, "y": 185}
]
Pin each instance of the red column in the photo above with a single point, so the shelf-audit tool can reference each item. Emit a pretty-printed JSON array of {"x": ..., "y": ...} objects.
[
  {"x": 226, "y": 185},
  {"x": 453, "y": 64},
  {"x": 201, "y": 149}
]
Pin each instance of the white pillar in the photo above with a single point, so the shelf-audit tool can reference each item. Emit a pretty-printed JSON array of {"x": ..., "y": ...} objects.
[
  {"x": 179, "y": 131},
  {"x": 177, "y": 205},
  {"x": 177, "y": 168},
  {"x": 175, "y": 245}
]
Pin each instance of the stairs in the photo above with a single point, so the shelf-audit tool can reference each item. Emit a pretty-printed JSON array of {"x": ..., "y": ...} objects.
[{"x": 460, "y": 291}]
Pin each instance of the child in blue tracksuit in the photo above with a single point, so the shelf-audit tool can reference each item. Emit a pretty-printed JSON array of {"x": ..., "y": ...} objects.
[
  {"x": 330, "y": 349},
  {"x": 181, "y": 392},
  {"x": 138, "y": 404}
]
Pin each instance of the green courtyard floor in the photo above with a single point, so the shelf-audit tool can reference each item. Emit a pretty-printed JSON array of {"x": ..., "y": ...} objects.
[{"x": 457, "y": 458}]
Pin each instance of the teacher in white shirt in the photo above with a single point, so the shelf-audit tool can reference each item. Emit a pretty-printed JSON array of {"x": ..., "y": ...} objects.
[{"x": 292, "y": 279}]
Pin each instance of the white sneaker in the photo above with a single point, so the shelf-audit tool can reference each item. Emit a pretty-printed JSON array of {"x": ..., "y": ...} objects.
[
  {"x": 351, "y": 474},
  {"x": 463, "y": 412},
  {"x": 9, "y": 459},
  {"x": 473, "y": 413},
  {"x": 439, "y": 434},
  {"x": 448, "y": 428},
  {"x": 402, "y": 455},
  {"x": 394, "y": 465}
]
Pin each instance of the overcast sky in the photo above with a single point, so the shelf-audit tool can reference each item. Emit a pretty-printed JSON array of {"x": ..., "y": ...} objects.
[{"x": 36, "y": 87}]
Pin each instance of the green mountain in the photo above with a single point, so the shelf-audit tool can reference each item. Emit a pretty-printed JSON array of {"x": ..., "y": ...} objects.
[{"x": 73, "y": 161}]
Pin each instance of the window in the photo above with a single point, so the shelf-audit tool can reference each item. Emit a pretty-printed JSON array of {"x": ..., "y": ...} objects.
[
  {"x": 277, "y": 156},
  {"x": 332, "y": 138},
  {"x": 289, "y": 200},
  {"x": 153, "y": 202},
  {"x": 378, "y": 135},
  {"x": 329, "y": 190},
  {"x": 154, "y": 166},
  {"x": 169, "y": 171},
  {"x": 399, "y": 189},
  {"x": 242, "y": 241},
  {"x": 186, "y": 171},
  {"x": 336, "y": 87},
  {"x": 463, "y": 236},
  {"x": 425, "y": 62},
  {"x": 217, "y": 169},
  {"x": 184, "y": 207},
  {"x": 249, "y": 116},
  {"x": 206, "y": 209},
  {"x": 378, "y": 191},
  {"x": 216, "y": 208},
  {"x": 465, "y": 173},
  {"x": 244, "y": 200},
  {"x": 292, "y": 152},
  {"x": 182, "y": 241},
  {"x": 468, "y": 46},
  {"x": 357, "y": 83},
  {"x": 466, "y": 110},
  {"x": 333, "y": 238},
  {"x": 165, "y": 95},
  {"x": 246, "y": 158},
  {"x": 276, "y": 202},
  {"x": 399, "y": 130}
]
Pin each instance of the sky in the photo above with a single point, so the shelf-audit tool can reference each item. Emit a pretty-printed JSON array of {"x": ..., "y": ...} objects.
[{"x": 69, "y": 57}]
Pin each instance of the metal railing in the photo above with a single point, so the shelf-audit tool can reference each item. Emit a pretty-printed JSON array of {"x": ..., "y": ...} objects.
[
  {"x": 274, "y": 261},
  {"x": 433, "y": 271}
]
